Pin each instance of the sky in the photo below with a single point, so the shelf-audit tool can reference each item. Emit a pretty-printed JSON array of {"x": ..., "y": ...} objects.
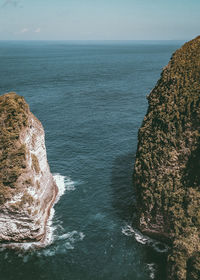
[{"x": 99, "y": 19}]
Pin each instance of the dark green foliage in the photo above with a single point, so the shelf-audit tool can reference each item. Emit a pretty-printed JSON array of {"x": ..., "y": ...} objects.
[
  {"x": 167, "y": 166},
  {"x": 193, "y": 267}
]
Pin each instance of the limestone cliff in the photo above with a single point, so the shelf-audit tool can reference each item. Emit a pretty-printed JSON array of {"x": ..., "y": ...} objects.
[
  {"x": 27, "y": 188},
  {"x": 167, "y": 166}
]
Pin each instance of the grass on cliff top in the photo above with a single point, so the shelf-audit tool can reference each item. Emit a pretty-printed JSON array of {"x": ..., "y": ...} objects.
[{"x": 13, "y": 118}]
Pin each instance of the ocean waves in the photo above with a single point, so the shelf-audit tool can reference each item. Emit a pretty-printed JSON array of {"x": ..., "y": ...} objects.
[
  {"x": 145, "y": 240},
  {"x": 53, "y": 227}
]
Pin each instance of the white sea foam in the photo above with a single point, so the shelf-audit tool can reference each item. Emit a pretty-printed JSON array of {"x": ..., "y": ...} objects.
[
  {"x": 69, "y": 239},
  {"x": 62, "y": 244},
  {"x": 143, "y": 239},
  {"x": 152, "y": 269},
  {"x": 70, "y": 185},
  {"x": 25, "y": 258},
  {"x": 72, "y": 236},
  {"x": 64, "y": 183},
  {"x": 60, "y": 182},
  {"x": 6, "y": 256},
  {"x": 47, "y": 252},
  {"x": 49, "y": 238}
]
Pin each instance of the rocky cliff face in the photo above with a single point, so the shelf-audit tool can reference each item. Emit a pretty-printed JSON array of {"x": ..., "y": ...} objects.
[
  {"x": 27, "y": 188},
  {"x": 167, "y": 166}
]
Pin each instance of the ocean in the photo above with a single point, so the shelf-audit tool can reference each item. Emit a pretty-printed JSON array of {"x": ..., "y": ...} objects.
[{"x": 91, "y": 100}]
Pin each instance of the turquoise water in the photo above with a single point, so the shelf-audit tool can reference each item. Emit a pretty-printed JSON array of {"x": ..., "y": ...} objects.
[{"x": 90, "y": 98}]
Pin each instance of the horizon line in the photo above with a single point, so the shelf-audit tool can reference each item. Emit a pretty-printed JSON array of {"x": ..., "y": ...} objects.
[{"x": 92, "y": 40}]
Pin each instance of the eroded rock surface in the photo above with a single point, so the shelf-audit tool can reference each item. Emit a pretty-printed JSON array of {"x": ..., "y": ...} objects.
[
  {"x": 167, "y": 166},
  {"x": 27, "y": 188}
]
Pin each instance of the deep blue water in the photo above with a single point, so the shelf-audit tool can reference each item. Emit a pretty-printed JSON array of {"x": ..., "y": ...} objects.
[{"x": 91, "y": 99}]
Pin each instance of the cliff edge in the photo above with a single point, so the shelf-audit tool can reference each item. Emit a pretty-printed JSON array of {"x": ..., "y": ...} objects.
[
  {"x": 167, "y": 166},
  {"x": 27, "y": 188}
]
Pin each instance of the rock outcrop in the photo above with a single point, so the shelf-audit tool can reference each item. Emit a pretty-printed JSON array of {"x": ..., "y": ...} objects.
[
  {"x": 27, "y": 188},
  {"x": 167, "y": 165}
]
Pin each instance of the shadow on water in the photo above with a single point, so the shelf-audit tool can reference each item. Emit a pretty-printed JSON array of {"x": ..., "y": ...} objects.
[
  {"x": 123, "y": 195},
  {"x": 124, "y": 204},
  {"x": 22, "y": 267}
]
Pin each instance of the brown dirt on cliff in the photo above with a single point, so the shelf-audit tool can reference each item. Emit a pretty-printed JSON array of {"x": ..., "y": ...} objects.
[{"x": 166, "y": 172}]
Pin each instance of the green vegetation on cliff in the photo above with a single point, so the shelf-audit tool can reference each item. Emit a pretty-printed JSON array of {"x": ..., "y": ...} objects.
[
  {"x": 167, "y": 166},
  {"x": 13, "y": 118}
]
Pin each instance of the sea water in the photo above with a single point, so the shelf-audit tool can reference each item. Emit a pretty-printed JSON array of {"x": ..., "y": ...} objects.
[{"x": 91, "y": 99}]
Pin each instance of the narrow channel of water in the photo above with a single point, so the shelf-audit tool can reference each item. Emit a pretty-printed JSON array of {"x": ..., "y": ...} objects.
[{"x": 91, "y": 101}]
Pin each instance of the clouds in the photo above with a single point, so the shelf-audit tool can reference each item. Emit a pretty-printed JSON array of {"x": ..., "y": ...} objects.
[
  {"x": 14, "y": 3},
  {"x": 37, "y": 30},
  {"x": 98, "y": 20},
  {"x": 24, "y": 30},
  {"x": 28, "y": 31}
]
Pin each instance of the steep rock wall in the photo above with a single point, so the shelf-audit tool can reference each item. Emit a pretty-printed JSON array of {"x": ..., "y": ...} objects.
[
  {"x": 167, "y": 165},
  {"x": 27, "y": 188}
]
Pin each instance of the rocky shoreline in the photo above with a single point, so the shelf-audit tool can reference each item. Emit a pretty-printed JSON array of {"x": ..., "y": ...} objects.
[{"x": 27, "y": 188}]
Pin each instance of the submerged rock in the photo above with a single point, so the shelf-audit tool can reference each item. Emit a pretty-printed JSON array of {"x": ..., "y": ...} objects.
[
  {"x": 167, "y": 165},
  {"x": 27, "y": 188}
]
